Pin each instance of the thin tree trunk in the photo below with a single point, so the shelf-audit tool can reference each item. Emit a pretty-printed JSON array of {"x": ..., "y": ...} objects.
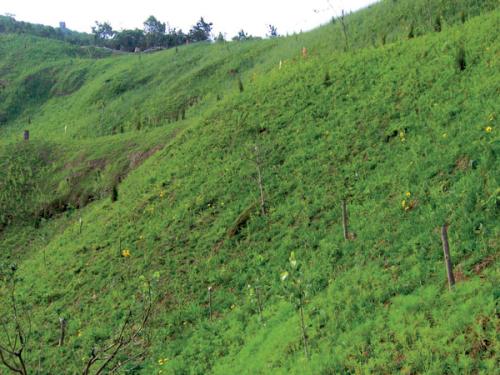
[
  {"x": 447, "y": 257},
  {"x": 344, "y": 29},
  {"x": 260, "y": 182}
]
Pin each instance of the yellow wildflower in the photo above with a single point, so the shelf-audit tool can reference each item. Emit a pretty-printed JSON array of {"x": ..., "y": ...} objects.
[
  {"x": 162, "y": 361},
  {"x": 403, "y": 203},
  {"x": 408, "y": 194},
  {"x": 126, "y": 253},
  {"x": 488, "y": 129},
  {"x": 284, "y": 276},
  {"x": 162, "y": 194}
]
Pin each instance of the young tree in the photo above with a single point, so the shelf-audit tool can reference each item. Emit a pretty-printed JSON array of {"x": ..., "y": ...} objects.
[
  {"x": 241, "y": 36},
  {"x": 175, "y": 38},
  {"x": 220, "y": 38},
  {"x": 102, "y": 31},
  {"x": 154, "y": 26},
  {"x": 128, "y": 344},
  {"x": 154, "y": 31},
  {"x": 272, "y": 31},
  {"x": 201, "y": 31},
  {"x": 344, "y": 30},
  {"x": 15, "y": 330},
  {"x": 129, "y": 40}
]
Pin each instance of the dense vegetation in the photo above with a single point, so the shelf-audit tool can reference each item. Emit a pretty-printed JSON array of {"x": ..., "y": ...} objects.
[{"x": 210, "y": 180}]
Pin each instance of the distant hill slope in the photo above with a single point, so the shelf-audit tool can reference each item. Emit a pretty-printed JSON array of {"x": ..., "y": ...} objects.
[
  {"x": 9, "y": 25},
  {"x": 155, "y": 89},
  {"x": 149, "y": 171}
]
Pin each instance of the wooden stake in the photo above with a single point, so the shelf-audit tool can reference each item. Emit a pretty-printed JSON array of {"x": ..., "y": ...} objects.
[
  {"x": 303, "y": 326},
  {"x": 447, "y": 257},
  {"x": 62, "y": 324},
  {"x": 345, "y": 219},
  {"x": 210, "y": 302},
  {"x": 258, "y": 163}
]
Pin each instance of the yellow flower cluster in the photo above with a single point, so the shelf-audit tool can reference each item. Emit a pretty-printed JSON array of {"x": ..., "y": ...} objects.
[
  {"x": 407, "y": 204},
  {"x": 488, "y": 129},
  {"x": 162, "y": 361},
  {"x": 162, "y": 194},
  {"x": 126, "y": 253}
]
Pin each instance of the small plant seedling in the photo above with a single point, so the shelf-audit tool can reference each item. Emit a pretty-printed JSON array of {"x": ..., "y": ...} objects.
[{"x": 254, "y": 295}]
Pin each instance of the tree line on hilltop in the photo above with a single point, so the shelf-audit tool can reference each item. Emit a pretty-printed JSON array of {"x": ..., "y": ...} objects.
[{"x": 154, "y": 34}]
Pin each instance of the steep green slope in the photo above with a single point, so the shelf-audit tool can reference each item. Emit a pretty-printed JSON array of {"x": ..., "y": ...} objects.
[
  {"x": 52, "y": 85},
  {"x": 401, "y": 132}
]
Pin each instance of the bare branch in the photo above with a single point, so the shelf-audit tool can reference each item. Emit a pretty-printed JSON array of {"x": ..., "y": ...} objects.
[
  {"x": 8, "y": 365},
  {"x": 120, "y": 343}
]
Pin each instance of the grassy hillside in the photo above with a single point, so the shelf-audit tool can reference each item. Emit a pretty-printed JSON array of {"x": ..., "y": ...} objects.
[{"x": 405, "y": 130}]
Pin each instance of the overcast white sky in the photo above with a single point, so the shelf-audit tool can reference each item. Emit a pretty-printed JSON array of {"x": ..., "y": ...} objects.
[{"x": 228, "y": 16}]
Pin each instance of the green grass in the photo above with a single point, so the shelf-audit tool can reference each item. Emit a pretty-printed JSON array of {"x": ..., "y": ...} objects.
[{"x": 394, "y": 118}]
